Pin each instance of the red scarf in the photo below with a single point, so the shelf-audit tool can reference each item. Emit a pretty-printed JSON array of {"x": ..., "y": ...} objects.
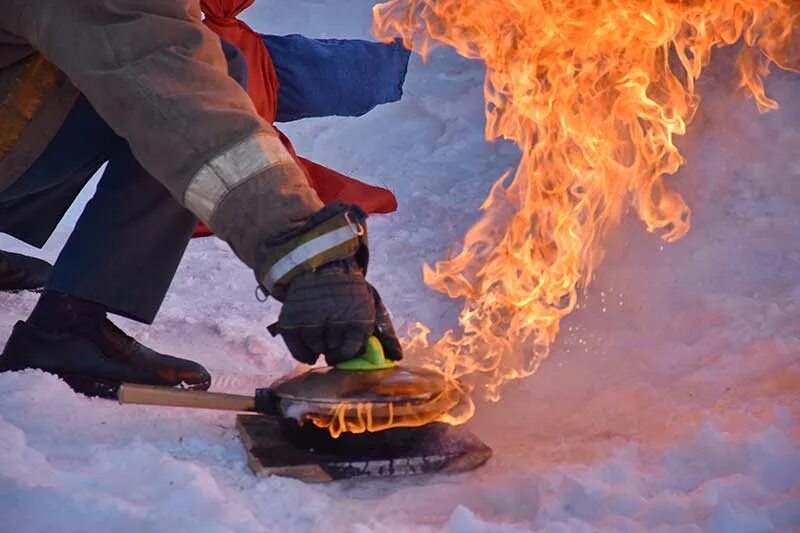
[{"x": 263, "y": 90}]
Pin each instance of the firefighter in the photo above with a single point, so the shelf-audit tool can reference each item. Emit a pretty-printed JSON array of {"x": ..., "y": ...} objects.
[{"x": 130, "y": 82}]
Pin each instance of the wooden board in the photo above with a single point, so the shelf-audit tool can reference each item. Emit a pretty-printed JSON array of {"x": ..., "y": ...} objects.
[{"x": 269, "y": 452}]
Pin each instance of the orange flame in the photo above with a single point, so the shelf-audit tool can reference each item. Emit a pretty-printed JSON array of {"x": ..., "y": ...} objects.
[
  {"x": 593, "y": 92},
  {"x": 453, "y": 406}
]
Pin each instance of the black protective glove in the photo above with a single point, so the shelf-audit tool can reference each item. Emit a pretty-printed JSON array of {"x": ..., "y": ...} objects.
[
  {"x": 384, "y": 329},
  {"x": 317, "y": 270},
  {"x": 333, "y": 311}
]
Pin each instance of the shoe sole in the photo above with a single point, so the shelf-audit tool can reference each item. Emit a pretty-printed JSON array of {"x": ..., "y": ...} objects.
[{"x": 92, "y": 387}]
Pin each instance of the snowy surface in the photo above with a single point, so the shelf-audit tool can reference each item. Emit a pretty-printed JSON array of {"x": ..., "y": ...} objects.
[{"x": 670, "y": 401}]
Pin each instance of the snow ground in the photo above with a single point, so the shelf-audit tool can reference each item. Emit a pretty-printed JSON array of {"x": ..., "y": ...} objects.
[{"x": 669, "y": 403}]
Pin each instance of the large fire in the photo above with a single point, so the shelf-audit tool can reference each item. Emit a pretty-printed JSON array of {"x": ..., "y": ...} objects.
[{"x": 593, "y": 92}]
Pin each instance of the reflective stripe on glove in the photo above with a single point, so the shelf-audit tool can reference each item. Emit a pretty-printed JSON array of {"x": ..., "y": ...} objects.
[
  {"x": 333, "y": 311},
  {"x": 335, "y": 233}
]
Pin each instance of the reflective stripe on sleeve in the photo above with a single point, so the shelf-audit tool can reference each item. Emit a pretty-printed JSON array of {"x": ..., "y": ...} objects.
[{"x": 239, "y": 163}]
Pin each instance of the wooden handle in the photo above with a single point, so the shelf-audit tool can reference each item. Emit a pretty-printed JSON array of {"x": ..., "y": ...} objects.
[{"x": 153, "y": 395}]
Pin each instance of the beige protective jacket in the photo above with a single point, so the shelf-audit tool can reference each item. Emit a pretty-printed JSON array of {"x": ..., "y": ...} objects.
[{"x": 158, "y": 77}]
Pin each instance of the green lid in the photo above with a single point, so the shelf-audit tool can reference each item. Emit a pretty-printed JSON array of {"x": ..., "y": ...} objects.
[{"x": 372, "y": 358}]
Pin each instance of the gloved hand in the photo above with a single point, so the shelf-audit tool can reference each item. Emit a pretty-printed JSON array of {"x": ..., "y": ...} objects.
[
  {"x": 333, "y": 311},
  {"x": 318, "y": 273}
]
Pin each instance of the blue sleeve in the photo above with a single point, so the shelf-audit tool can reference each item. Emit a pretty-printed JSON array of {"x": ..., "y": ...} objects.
[
  {"x": 324, "y": 77},
  {"x": 237, "y": 65}
]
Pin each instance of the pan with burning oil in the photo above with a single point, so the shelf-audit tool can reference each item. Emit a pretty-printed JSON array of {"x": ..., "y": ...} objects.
[{"x": 387, "y": 394}]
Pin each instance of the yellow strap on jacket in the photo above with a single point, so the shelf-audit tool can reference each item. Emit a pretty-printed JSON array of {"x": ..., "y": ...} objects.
[{"x": 21, "y": 101}]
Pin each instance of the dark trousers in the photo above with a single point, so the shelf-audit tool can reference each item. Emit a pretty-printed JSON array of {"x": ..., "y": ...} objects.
[{"x": 127, "y": 244}]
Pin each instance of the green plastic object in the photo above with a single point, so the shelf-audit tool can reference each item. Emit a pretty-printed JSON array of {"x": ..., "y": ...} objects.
[{"x": 372, "y": 358}]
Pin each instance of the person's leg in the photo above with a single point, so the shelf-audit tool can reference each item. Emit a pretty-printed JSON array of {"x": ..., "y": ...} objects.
[
  {"x": 120, "y": 258},
  {"x": 127, "y": 244},
  {"x": 32, "y": 207}
]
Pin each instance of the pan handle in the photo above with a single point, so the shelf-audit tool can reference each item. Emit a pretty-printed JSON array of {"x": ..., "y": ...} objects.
[{"x": 171, "y": 397}]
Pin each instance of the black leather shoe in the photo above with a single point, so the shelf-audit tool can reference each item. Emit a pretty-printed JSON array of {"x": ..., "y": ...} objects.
[
  {"x": 96, "y": 363},
  {"x": 20, "y": 272}
]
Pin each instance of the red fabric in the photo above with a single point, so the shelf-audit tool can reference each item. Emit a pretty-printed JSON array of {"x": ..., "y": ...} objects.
[
  {"x": 263, "y": 90},
  {"x": 331, "y": 185},
  {"x": 263, "y": 81}
]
